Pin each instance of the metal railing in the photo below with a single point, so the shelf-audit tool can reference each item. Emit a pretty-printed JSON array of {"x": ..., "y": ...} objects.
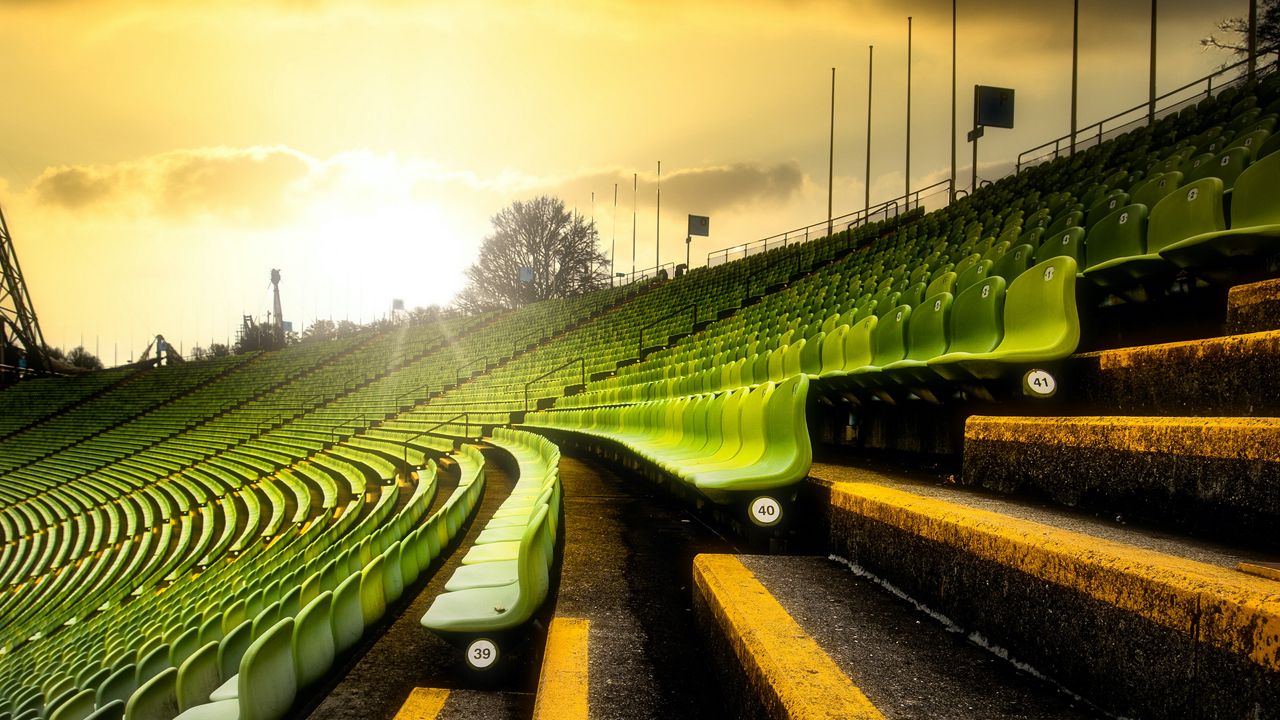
[
  {"x": 622, "y": 278},
  {"x": 466, "y": 430},
  {"x": 334, "y": 431},
  {"x": 525, "y": 336},
  {"x": 678, "y": 311},
  {"x": 551, "y": 372},
  {"x": 457, "y": 374},
  {"x": 1138, "y": 115},
  {"x": 824, "y": 228},
  {"x": 414, "y": 391}
]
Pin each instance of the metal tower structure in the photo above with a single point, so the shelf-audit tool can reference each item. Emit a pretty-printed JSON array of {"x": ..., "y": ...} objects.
[
  {"x": 19, "y": 329},
  {"x": 277, "y": 326}
]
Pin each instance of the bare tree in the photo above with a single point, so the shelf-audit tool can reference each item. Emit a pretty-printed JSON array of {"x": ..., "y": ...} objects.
[
  {"x": 1233, "y": 32},
  {"x": 84, "y": 359},
  {"x": 538, "y": 251}
]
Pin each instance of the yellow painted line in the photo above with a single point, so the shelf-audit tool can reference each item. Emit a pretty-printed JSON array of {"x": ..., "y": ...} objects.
[
  {"x": 563, "y": 684},
  {"x": 1235, "y": 612},
  {"x": 423, "y": 704},
  {"x": 1187, "y": 350},
  {"x": 781, "y": 660},
  {"x": 1232, "y": 438}
]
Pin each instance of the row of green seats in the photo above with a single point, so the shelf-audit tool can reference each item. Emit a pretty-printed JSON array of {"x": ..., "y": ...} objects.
[
  {"x": 504, "y": 577},
  {"x": 751, "y": 443}
]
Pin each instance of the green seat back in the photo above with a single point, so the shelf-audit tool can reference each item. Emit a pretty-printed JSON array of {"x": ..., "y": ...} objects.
[
  {"x": 1104, "y": 207},
  {"x": 833, "y": 349},
  {"x": 1192, "y": 210},
  {"x": 118, "y": 686},
  {"x": 1123, "y": 233},
  {"x": 232, "y": 647},
  {"x": 977, "y": 317},
  {"x": 1251, "y": 141},
  {"x": 1149, "y": 192},
  {"x": 1066, "y": 220},
  {"x": 77, "y": 707},
  {"x": 156, "y": 699},
  {"x": 973, "y": 275},
  {"x": 858, "y": 344},
  {"x": 198, "y": 676},
  {"x": 1040, "y": 317},
  {"x": 1253, "y": 201},
  {"x": 113, "y": 710},
  {"x": 927, "y": 333},
  {"x": 890, "y": 343},
  {"x": 914, "y": 295},
  {"x": 1013, "y": 262},
  {"x": 1069, "y": 242},
  {"x": 181, "y": 647},
  {"x": 946, "y": 282},
  {"x": 313, "y": 648},
  {"x": 268, "y": 682},
  {"x": 1226, "y": 166}
]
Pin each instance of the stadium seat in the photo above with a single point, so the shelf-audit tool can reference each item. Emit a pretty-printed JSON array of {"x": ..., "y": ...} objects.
[
  {"x": 198, "y": 677},
  {"x": 156, "y": 699},
  {"x": 977, "y": 326},
  {"x": 1221, "y": 255},
  {"x": 489, "y": 609}
]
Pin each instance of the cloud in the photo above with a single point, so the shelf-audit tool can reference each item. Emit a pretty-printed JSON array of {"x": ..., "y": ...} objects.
[
  {"x": 254, "y": 186},
  {"x": 699, "y": 189}
]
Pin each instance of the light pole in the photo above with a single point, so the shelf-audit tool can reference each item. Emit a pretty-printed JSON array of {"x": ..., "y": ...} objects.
[{"x": 866, "y": 202}]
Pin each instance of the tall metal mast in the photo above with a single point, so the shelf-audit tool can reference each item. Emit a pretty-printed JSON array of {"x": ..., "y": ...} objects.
[{"x": 19, "y": 327}]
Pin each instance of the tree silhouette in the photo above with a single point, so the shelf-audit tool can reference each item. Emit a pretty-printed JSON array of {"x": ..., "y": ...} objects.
[
  {"x": 555, "y": 250},
  {"x": 84, "y": 359},
  {"x": 1233, "y": 33}
]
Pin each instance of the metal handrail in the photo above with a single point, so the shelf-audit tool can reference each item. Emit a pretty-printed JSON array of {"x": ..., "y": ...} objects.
[
  {"x": 333, "y": 431},
  {"x": 466, "y": 429},
  {"x": 457, "y": 374},
  {"x": 516, "y": 344},
  {"x": 403, "y": 395},
  {"x": 849, "y": 220},
  {"x": 1088, "y": 130},
  {"x": 552, "y": 371},
  {"x": 669, "y": 315}
]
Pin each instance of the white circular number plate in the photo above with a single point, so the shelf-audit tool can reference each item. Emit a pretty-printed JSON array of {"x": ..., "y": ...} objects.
[
  {"x": 766, "y": 511},
  {"x": 482, "y": 653},
  {"x": 1040, "y": 383}
]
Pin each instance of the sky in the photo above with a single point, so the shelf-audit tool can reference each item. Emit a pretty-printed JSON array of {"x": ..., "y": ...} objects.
[{"x": 157, "y": 159}]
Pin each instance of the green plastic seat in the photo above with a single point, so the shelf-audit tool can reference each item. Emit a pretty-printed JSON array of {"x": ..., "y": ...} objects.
[
  {"x": 348, "y": 615},
  {"x": 232, "y": 648},
  {"x": 493, "y": 609},
  {"x": 1114, "y": 200},
  {"x": 976, "y": 327},
  {"x": 373, "y": 599},
  {"x": 118, "y": 686},
  {"x": 1150, "y": 191},
  {"x": 313, "y": 646},
  {"x": 1069, "y": 242},
  {"x": 1223, "y": 255},
  {"x": 943, "y": 283},
  {"x": 1226, "y": 166},
  {"x": 156, "y": 699},
  {"x": 198, "y": 677},
  {"x": 78, "y": 707},
  {"x": 1116, "y": 249},
  {"x": 926, "y": 339},
  {"x": 856, "y": 348},
  {"x": 113, "y": 710},
  {"x": 266, "y": 682},
  {"x": 1041, "y": 322},
  {"x": 975, "y": 274},
  {"x": 785, "y": 452},
  {"x": 1250, "y": 141},
  {"x": 1013, "y": 262}
]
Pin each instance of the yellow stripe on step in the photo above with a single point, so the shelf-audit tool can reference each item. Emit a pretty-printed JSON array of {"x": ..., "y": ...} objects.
[
  {"x": 423, "y": 704},
  {"x": 792, "y": 676},
  {"x": 563, "y": 685}
]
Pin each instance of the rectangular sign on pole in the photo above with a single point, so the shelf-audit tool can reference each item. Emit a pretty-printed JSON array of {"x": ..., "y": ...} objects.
[
  {"x": 993, "y": 106},
  {"x": 699, "y": 225}
]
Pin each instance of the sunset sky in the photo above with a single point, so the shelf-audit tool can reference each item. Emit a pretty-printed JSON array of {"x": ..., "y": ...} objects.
[{"x": 157, "y": 159}]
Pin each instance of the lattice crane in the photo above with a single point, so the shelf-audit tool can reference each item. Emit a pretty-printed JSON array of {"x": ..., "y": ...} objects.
[{"x": 21, "y": 342}]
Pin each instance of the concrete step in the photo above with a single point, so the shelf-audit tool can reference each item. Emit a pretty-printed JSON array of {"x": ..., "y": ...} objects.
[
  {"x": 1142, "y": 624},
  {"x": 805, "y": 637},
  {"x": 1216, "y": 477},
  {"x": 1254, "y": 307},
  {"x": 1230, "y": 375}
]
